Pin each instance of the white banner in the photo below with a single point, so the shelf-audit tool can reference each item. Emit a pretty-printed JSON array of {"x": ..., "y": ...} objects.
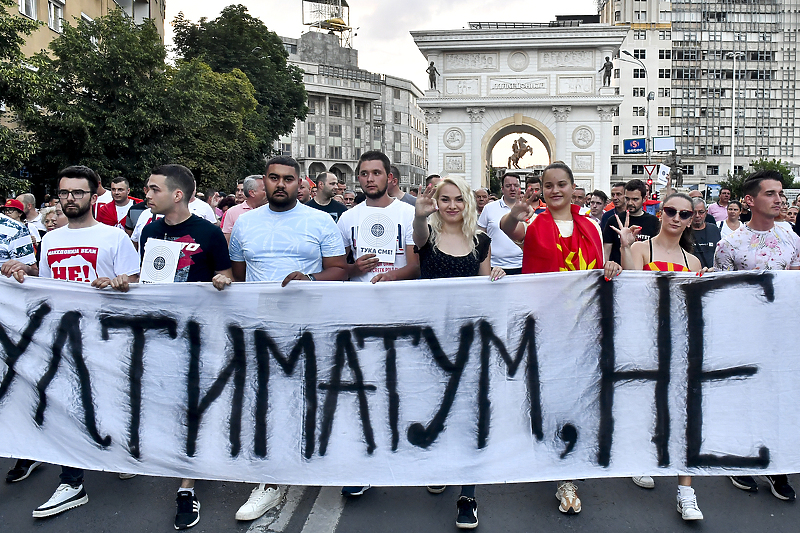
[{"x": 552, "y": 376}]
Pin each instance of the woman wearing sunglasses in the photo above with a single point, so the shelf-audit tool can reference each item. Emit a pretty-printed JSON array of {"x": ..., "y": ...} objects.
[{"x": 670, "y": 250}]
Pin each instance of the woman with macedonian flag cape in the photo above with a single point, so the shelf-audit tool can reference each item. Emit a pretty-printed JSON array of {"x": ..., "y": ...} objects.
[{"x": 558, "y": 240}]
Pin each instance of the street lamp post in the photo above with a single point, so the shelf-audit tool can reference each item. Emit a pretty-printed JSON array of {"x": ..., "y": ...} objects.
[
  {"x": 733, "y": 55},
  {"x": 650, "y": 97}
]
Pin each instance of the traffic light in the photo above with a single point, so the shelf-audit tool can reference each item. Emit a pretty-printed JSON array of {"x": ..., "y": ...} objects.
[{"x": 650, "y": 182}]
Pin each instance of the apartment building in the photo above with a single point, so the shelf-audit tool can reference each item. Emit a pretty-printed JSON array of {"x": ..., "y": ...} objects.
[
  {"x": 352, "y": 111},
  {"x": 54, "y": 12},
  {"x": 687, "y": 50}
]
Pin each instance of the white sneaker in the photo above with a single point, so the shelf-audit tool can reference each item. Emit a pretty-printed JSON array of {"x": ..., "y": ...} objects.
[
  {"x": 646, "y": 482},
  {"x": 261, "y": 500},
  {"x": 688, "y": 508},
  {"x": 64, "y": 498},
  {"x": 123, "y": 475},
  {"x": 567, "y": 494}
]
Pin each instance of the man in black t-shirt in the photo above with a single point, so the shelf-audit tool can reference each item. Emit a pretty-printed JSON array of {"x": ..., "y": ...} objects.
[
  {"x": 635, "y": 194},
  {"x": 204, "y": 257},
  {"x": 706, "y": 236},
  {"x": 326, "y": 189}
]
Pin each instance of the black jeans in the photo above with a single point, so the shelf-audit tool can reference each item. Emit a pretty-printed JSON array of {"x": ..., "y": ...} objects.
[{"x": 71, "y": 476}]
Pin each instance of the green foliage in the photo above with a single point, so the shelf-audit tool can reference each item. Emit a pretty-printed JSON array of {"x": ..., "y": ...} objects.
[
  {"x": 236, "y": 40},
  {"x": 208, "y": 114},
  {"x": 19, "y": 88},
  {"x": 116, "y": 106},
  {"x": 735, "y": 183}
]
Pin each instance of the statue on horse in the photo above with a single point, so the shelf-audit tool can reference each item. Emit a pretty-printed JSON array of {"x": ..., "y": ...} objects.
[{"x": 520, "y": 148}]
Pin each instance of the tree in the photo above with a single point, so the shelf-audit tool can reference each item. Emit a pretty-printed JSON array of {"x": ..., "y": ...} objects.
[
  {"x": 19, "y": 90},
  {"x": 735, "y": 182},
  {"x": 106, "y": 109},
  {"x": 237, "y": 40},
  {"x": 116, "y": 106}
]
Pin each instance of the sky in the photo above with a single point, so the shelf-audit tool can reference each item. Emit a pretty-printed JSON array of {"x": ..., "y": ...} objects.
[{"x": 382, "y": 27}]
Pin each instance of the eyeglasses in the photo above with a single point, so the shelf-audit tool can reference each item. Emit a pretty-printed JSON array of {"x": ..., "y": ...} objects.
[
  {"x": 78, "y": 194},
  {"x": 685, "y": 214}
]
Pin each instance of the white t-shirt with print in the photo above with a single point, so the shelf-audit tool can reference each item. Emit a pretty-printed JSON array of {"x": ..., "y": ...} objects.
[
  {"x": 399, "y": 212},
  {"x": 86, "y": 254},
  {"x": 203, "y": 210},
  {"x": 747, "y": 249}
]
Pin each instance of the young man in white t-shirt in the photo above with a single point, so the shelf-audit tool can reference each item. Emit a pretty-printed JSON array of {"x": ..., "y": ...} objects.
[
  {"x": 89, "y": 252},
  {"x": 364, "y": 226}
]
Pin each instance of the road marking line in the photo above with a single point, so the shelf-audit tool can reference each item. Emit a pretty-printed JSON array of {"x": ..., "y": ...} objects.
[
  {"x": 277, "y": 522},
  {"x": 328, "y": 507}
]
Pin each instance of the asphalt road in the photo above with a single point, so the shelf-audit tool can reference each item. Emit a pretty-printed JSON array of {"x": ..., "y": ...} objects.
[{"x": 146, "y": 504}]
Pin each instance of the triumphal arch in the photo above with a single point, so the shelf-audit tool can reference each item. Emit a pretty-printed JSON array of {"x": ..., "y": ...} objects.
[{"x": 543, "y": 80}]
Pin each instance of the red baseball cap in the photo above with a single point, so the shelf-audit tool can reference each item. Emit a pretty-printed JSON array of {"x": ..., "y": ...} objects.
[{"x": 16, "y": 204}]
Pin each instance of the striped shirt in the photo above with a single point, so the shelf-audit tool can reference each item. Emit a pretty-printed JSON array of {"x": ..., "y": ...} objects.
[{"x": 15, "y": 241}]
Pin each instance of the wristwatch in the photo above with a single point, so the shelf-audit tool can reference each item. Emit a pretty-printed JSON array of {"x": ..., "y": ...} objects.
[{"x": 311, "y": 277}]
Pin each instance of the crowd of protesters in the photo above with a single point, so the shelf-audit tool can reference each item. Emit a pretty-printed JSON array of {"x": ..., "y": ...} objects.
[{"x": 285, "y": 228}]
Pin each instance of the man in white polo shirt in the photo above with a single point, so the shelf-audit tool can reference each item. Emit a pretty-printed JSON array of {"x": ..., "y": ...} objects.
[
  {"x": 505, "y": 254},
  {"x": 254, "y": 196}
]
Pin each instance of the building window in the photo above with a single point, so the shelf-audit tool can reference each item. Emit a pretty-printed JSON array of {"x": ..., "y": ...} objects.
[
  {"x": 664, "y": 73},
  {"x": 286, "y": 149},
  {"x": 311, "y": 128},
  {"x": 617, "y": 16},
  {"x": 640, "y": 35},
  {"x": 663, "y": 131},
  {"x": 290, "y": 48},
  {"x": 398, "y": 158},
  {"x": 638, "y": 112},
  {"x": 312, "y": 106},
  {"x": 616, "y": 130},
  {"x": 639, "y": 53},
  {"x": 712, "y": 170},
  {"x": 665, "y": 35},
  {"x": 615, "y": 149},
  {"x": 357, "y": 132},
  {"x": 616, "y": 73},
  {"x": 396, "y": 94},
  {"x": 663, "y": 111},
  {"x": 359, "y": 111},
  {"x": 311, "y": 150},
  {"x": 665, "y": 54},
  {"x": 689, "y": 170},
  {"x": 638, "y": 91},
  {"x": 664, "y": 16},
  {"x": 28, "y": 8},
  {"x": 640, "y": 16},
  {"x": 398, "y": 117},
  {"x": 637, "y": 169},
  {"x": 639, "y": 73},
  {"x": 663, "y": 92},
  {"x": 637, "y": 130},
  {"x": 334, "y": 130},
  {"x": 766, "y": 37},
  {"x": 614, "y": 170},
  {"x": 55, "y": 13},
  {"x": 335, "y": 109},
  {"x": 685, "y": 55},
  {"x": 715, "y": 36},
  {"x": 377, "y": 111},
  {"x": 335, "y": 152}
]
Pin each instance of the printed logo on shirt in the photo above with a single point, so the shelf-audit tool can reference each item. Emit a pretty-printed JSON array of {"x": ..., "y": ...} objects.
[
  {"x": 189, "y": 248},
  {"x": 73, "y": 264}
]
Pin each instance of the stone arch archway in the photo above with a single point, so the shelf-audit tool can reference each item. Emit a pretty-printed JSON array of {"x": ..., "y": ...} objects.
[
  {"x": 515, "y": 124},
  {"x": 315, "y": 168}
]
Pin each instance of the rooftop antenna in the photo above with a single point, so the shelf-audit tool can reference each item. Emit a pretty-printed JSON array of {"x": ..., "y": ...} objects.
[{"x": 331, "y": 16}]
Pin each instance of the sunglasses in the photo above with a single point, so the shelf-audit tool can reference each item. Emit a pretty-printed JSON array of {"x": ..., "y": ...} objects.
[{"x": 685, "y": 214}]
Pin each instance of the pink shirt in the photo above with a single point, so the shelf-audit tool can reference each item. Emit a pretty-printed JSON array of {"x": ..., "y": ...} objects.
[
  {"x": 717, "y": 211},
  {"x": 232, "y": 214}
]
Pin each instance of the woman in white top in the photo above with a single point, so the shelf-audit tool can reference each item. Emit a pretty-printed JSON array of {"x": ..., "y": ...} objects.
[{"x": 732, "y": 223}]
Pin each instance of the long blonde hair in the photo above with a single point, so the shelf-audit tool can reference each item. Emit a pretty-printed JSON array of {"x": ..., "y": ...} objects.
[{"x": 469, "y": 221}]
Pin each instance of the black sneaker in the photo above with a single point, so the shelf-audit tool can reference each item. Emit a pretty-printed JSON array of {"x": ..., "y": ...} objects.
[
  {"x": 745, "y": 483},
  {"x": 188, "y": 510},
  {"x": 22, "y": 469},
  {"x": 467, "y": 513},
  {"x": 780, "y": 488}
]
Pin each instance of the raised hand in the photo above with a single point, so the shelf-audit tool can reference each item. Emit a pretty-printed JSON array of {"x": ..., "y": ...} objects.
[
  {"x": 627, "y": 234},
  {"x": 426, "y": 203},
  {"x": 522, "y": 210}
]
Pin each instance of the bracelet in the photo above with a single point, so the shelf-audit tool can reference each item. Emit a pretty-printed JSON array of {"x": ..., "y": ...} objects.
[{"x": 311, "y": 277}]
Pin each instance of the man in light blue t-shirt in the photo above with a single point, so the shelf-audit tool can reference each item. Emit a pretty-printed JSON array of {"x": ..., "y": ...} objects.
[
  {"x": 283, "y": 241},
  {"x": 286, "y": 240}
]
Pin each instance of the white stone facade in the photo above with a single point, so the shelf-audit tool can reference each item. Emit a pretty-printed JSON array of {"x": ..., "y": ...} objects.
[{"x": 534, "y": 79}]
